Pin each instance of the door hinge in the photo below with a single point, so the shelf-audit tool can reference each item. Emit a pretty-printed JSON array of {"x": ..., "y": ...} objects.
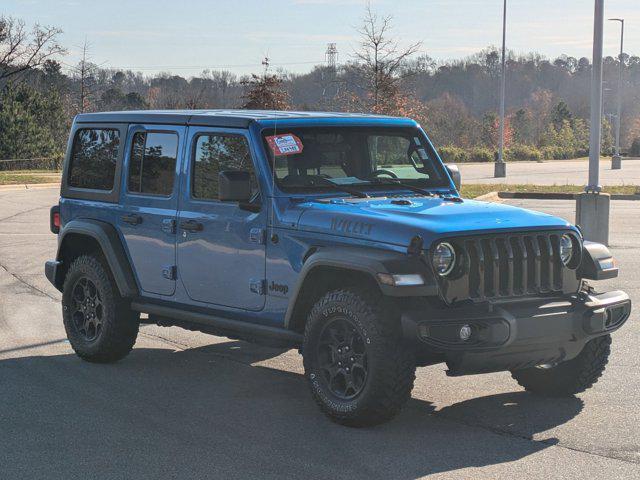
[
  {"x": 169, "y": 272},
  {"x": 169, "y": 225},
  {"x": 258, "y": 286},
  {"x": 257, "y": 235}
]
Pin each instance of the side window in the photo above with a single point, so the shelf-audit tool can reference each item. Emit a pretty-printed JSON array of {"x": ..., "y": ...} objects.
[
  {"x": 153, "y": 163},
  {"x": 94, "y": 156},
  {"x": 217, "y": 153}
]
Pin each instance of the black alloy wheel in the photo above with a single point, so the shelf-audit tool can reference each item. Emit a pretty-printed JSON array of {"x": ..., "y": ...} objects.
[
  {"x": 342, "y": 358},
  {"x": 87, "y": 309}
]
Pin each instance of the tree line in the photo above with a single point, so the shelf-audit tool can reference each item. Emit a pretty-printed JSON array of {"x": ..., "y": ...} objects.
[{"x": 455, "y": 101}]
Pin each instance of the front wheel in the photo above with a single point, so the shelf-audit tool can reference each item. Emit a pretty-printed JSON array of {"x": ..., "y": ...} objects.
[
  {"x": 99, "y": 323},
  {"x": 359, "y": 372},
  {"x": 570, "y": 377}
]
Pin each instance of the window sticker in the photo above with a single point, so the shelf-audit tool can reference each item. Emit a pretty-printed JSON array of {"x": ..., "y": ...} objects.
[{"x": 285, "y": 144}]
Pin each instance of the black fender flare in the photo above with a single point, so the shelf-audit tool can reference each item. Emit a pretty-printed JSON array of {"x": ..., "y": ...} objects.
[
  {"x": 109, "y": 241},
  {"x": 597, "y": 262},
  {"x": 369, "y": 261}
]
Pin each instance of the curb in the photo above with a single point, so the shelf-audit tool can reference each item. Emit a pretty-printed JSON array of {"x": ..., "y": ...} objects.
[
  {"x": 489, "y": 197},
  {"x": 28, "y": 186},
  {"x": 559, "y": 196}
]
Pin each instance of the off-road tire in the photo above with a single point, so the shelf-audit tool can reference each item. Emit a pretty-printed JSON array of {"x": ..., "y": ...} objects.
[
  {"x": 391, "y": 366},
  {"x": 570, "y": 377},
  {"x": 119, "y": 324}
]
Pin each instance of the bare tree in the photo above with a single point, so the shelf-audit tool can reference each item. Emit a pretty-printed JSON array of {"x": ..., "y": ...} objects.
[
  {"x": 22, "y": 50},
  {"x": 222, "y": 82},
  {"x": 381, "y": 61},
  {"x": 85, "y": 72}
]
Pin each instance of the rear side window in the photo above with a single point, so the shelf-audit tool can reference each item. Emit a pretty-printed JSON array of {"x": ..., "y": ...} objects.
[
  {"x": 94, "y": 157},
  {"x": 153, "y": 163},
  {"x": 215, "y": 154}
]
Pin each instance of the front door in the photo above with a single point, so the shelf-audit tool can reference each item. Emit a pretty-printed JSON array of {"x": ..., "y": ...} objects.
[
  {"x": 150, "y": 202},
  {"x": 221, "y": 248}
]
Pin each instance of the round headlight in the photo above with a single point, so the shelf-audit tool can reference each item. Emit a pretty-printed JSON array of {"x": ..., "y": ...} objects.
[
  {"x": 444, "y": 258},
  {"x": 566, "y": 249}
]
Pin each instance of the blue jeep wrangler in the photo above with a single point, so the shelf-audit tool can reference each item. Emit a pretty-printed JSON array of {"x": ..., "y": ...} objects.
[{"x": 341, "y": 235}]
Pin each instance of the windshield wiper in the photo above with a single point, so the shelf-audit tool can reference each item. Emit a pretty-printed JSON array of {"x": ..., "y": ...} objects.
[
  {"x": 394, "y": 181},
  {"x": 344, "y": 188}
]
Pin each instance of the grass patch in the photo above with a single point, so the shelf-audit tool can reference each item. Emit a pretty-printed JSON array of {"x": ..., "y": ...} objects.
[
  {"x": 29, "y": 172},
  {"x": 21, "y": 178},
  {"x": 475, "y": 190}
]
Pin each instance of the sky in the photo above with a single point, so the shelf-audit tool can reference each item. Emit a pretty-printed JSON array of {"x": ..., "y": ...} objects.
[{"x": 188, "y": 36}]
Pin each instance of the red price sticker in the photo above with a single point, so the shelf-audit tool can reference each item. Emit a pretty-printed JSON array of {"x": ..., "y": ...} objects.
[{"x": 285, "y": 144}]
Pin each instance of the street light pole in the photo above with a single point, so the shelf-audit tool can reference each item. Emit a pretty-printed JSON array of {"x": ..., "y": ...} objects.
[
  {"x": 500, "y": 169},
  {"x": 616, "y": 161},
  {"x": 592, "y": 206},
  {"x": 596, "y": 101}
]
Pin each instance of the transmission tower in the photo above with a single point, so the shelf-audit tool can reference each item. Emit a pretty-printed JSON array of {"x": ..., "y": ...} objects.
[{"x": 331, "y": 55}]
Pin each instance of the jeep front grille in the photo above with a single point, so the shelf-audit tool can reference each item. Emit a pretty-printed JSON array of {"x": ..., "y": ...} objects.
[{"x": 507, "y": 265}]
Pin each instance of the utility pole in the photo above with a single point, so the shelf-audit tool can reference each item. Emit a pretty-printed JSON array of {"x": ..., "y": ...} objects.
[
  {"x": 616, "y": 161},
  {"x": 592, "y": 207},
  {"x": 500, "y": 168}
]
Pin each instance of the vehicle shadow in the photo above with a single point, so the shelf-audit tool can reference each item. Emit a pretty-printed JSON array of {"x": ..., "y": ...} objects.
[{"x": 208, "y": 413}]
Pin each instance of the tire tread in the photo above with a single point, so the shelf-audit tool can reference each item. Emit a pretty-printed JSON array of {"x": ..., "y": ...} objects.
[
  {"x": 121, "y": 335},
  {"x": 398, "y": 373},
  {"x": 570, "y": 377}
]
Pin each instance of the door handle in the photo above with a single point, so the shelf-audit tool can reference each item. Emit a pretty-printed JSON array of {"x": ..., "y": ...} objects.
[
  {"x": 191, "y": 226},
  {"x": 132, "y": 219}
]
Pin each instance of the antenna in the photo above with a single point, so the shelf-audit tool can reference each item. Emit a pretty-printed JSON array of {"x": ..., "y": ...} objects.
[
  {"x": 265, "y": 64},
  {"x": 331, "y": 55}
]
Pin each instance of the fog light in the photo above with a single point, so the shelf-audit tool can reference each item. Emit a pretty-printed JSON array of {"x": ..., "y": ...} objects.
[{"x": 465, "y": 333}]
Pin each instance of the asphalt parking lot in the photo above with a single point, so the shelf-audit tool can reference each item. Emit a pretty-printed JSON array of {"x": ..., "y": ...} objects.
[
  {"x": 189, "y": 405},
  {"x": 560, "y": 172}
]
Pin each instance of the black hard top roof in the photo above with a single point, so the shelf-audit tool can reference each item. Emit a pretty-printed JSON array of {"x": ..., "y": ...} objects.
[{"x": 217, "y": 118}]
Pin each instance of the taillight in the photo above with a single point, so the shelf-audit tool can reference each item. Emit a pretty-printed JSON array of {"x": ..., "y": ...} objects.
[{"x": 54, "y": 219}]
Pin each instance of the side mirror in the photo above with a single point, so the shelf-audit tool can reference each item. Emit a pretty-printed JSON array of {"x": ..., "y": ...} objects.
[
  {"x": 454, "y": 172},
  {"x": 234, "y": 186}
]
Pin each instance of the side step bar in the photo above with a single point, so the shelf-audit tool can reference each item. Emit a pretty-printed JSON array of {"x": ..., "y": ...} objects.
[{"x": 216, "y": 325}]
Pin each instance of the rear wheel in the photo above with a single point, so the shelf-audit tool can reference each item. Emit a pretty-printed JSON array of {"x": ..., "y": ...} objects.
[
  {"x": 99, "y": 323},
  {"x": 570, "y": 377},
  {"x": 357, "y": 368}
]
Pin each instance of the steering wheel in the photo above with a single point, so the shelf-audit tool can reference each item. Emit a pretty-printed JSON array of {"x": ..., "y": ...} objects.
[{"x": 377, "y": 173}]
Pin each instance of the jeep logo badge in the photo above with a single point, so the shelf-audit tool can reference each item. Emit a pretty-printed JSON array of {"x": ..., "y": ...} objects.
[{"x": 278, "y": 288}]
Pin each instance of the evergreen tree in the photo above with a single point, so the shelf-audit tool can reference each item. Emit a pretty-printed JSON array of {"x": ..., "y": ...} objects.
[
  {"x": 560, "y": 114},
  {"x": 32, "y": 126}
]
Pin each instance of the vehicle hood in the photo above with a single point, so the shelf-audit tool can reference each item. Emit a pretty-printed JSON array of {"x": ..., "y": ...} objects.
[{"x": 388, "y": 220}]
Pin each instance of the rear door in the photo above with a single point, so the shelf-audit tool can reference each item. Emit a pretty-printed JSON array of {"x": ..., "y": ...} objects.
[
  {"x": 221, "y": 247},
  {"x": 150, "y": 203}
]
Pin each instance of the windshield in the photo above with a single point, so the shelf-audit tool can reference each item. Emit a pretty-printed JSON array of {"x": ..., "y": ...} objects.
[{"x": 314, "y": 158}]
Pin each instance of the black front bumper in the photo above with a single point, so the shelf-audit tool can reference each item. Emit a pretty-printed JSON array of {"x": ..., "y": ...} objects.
[{"x": 518, "y": 334}]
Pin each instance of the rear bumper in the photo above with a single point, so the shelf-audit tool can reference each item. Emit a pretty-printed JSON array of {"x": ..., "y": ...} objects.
[{"x": 516, "y": 335}]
